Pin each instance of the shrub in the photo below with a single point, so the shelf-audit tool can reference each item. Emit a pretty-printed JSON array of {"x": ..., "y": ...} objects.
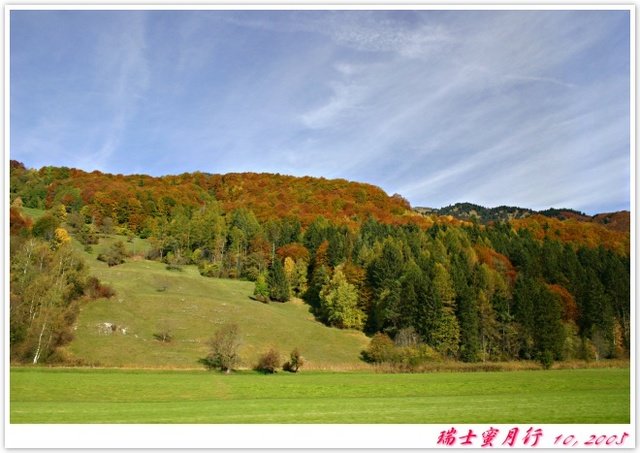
[
  {"x": 87, "y": 235},
  {"x": 209, "y": 269},
  {"x": 546, "y": 359},
  {"x": 153, "y": 254},
  {"x": 410, "y": 357},
  {"x": 269, "y": 362},
  {"x": 115, "y": 255},
  {"x": 164, "y": 331},
  {"x": 106, "y": 291},
  {"x": 96, "y": 290},
  {"x": 407, "y": 358},
  {"x": 295, "y": 362},
  {"x": 45, "y": 226},
  {"x": 224, "y": 348},
  {"x": 174, "y": 260},
  {"x": 381, "y": 349},
  {"x": 63, "y": 356}
]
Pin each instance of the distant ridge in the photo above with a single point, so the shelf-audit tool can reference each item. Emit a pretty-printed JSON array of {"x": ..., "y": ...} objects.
[{"x": 618, "y": 221}]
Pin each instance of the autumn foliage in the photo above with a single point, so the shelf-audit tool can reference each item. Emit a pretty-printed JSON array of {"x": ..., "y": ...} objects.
[
  {"x": 294, "y": 250},
  {"x": 18, "y": 222},
  {"x": 496, "y": 261},
  {"x": 576, "y": 232},
  {"x": 569, "y": 306}
]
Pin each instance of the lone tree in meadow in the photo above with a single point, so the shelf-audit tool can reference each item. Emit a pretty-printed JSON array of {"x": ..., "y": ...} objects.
[{"x": 224, "y": 348}]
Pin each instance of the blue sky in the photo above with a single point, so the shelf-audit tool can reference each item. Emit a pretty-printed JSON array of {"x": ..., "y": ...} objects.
[{"x": 526, "y": 108}]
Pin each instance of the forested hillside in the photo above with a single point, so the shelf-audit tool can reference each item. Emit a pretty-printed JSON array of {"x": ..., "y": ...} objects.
[
  {"x": 425, "y": 288},
  {"x": 137, "y": 200}
]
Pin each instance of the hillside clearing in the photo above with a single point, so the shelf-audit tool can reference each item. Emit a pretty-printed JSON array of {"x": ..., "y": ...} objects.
[{"x": 149, "y": 297}]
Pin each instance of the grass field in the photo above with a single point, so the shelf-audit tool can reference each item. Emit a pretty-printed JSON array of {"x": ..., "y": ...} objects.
[
  {"x": 41, "y": 395},
  {"x": 35, "y": 214},
  {"x": 149, "y": 297}
]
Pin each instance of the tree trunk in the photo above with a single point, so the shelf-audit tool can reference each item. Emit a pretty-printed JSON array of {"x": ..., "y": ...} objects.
[{"x": 37, "y": 354}]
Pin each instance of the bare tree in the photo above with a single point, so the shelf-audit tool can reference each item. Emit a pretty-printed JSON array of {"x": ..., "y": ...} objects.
[
  {"x": 164, "y": 331},
  {"x": 224, "y": 348}
]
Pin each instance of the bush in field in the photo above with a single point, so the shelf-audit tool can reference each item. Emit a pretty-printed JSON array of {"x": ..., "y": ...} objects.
[
  {"x": 224, "y": 347},
  {"x": 546, "y": 359},
  {"x": 295, "y": 362},
  {"x": 381, "y": 349},
  {"x": 115, "y": 255},
  {"x": 96, "y": 290},
  {"x": 410, "y": 357},
  {"x": 87, "y": 234},
  {"x": 269, "y": 362},
  {"x": 209, "y": 269},
  {"x": 407, "y": 355},
  {"x": 164, "y": 331}
]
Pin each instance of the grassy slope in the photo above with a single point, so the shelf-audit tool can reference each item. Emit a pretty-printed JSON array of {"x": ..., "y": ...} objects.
[
  {"x": 195, "y": 307},
  {"x": 35, "y": 214},
  {"x": 127, "y": 396}
]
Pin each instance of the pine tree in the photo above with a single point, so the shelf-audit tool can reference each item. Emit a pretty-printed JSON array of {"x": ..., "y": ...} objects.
[
  {"x": 319, "y": 277},
  {"x": 523, "y": 302},
  {"x": 383, "y": 275},
  {"x": 279, "y": 288},
  {"x": 466, "y": 307},
  {"x": 446, "y": 336},
  {"x": 549, "y": 332},
  {"x": 468, "y": 318}
]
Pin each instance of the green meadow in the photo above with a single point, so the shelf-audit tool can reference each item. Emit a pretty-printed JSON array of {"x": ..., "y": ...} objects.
[{"x": 41, "y": 395}]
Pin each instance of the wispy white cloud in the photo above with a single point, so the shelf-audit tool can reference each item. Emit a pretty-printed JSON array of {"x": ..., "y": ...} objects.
[
  {"x": 367, "y": 32},
  {"x": 121, "y": 66},
  {"x": 485, "y": 112},
  {"x": 344, "y": 100},
  {"x": 495, "y": 107},
  {"x": 89, "y": 92}
]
